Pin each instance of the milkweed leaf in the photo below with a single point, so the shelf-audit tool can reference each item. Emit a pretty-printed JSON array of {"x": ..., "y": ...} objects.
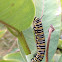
[{"x": 18, "y": 14}]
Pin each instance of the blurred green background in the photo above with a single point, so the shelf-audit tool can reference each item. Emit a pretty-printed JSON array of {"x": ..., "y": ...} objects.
[{"x": 8, "y": 43}]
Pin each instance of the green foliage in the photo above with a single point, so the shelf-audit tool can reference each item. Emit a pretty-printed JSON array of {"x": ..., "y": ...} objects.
[
  {"x": 24, "y": 10},
  {"x": 17, "y": 13},
  {"x": 60, "y": 44},
  {"x": 29, "y": 36},
  {"x": 60, "y": 60},
  {"x": 56, "y": 58},
  {"x": 14, "y": 56},
  {"x": 22, "y": 53},
  {"x": 61, "y": 3}
]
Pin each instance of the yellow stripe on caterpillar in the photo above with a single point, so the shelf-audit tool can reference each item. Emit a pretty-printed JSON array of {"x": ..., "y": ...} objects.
[
  {"x": 42, "y": 38},
  {"x": 41, "y": 50}
]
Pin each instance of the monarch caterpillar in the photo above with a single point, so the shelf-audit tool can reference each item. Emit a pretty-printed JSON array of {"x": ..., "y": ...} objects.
[{"x": 40, "y": 40}]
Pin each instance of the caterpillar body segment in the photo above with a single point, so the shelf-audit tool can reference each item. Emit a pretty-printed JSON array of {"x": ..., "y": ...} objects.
[{"x": 40, "y": 40}]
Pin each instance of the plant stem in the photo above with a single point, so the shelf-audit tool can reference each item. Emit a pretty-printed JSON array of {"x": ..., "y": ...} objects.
[
  {"x": 8, "y": 25},
  {"x": 23, "y": 43},
  {"x": 15, "y": 33},
  {"x": 51, "y": 29}
]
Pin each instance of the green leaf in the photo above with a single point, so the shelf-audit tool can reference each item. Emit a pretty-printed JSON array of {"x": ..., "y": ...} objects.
[
  {"x": 9, "y": 61},
  {"x": 56, "y": 57},
  {"x": 51, "y": 16},
  {"x": 60, "y": 60},
  {"x": 22, "y": 51},
  {"x": 60, "y": 44},
  {"x": 29, "y": 37},
  {"x": 14, "y": 56},
  {"x": 61, "y": 3},
  {"x": 17, "y": 13}
]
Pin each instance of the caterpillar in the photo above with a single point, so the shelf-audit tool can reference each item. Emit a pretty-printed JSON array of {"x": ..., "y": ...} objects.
[{"x": 40, "y": 40}]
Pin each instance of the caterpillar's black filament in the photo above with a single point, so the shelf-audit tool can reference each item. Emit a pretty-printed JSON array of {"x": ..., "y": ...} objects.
[{"x": 40, "y": 40}]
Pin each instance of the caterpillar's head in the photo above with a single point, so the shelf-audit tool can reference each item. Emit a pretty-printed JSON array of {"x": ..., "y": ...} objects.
[{"x": 36, "y": 20}]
